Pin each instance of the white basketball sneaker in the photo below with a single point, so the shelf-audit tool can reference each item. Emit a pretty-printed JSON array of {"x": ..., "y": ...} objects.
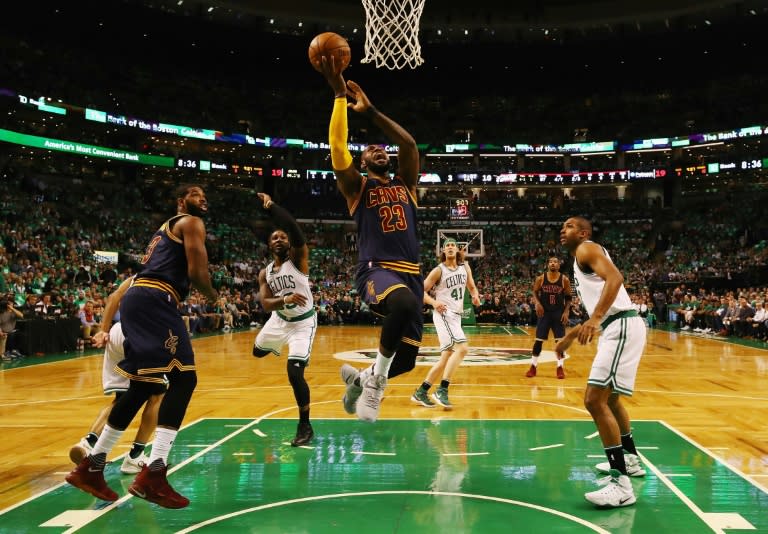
[
  {"x": 616, "y": 491},
  {"x": 349, "y": 374},
  {"x": 131, "y": 466},
  {"x": 370, "y": 401},
  {"x": 634, "y": 466}
]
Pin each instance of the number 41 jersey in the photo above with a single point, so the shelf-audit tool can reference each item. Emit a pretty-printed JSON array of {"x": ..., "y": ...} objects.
[
  {"x": 451, "y": 287},
  {"x": 385, "y": 214}
]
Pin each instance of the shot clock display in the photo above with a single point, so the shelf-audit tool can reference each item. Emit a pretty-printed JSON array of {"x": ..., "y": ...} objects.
[{"x": 459, "y": 209}]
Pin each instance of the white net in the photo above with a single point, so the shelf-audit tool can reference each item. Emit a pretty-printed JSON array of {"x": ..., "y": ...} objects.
[
  {"x": 392, "y": 33},
  {"x": 467, "y": 239}
]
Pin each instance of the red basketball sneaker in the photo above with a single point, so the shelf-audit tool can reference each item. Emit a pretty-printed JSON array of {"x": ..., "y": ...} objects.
[
  {"x": 560, "y": 372},
  {"x": 154, "y": 487},
  {"x": 531, "y": 372},
  {"x": 91, "y": 480}
]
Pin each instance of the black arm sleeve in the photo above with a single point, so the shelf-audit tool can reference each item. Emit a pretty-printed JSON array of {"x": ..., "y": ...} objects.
[{"x": 285, "y": 221}]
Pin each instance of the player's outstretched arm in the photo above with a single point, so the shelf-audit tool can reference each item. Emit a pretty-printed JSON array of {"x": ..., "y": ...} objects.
[
  {"x": 348, "y": 177},
  {"x": 285, "y": 221},
  {"x": 408, "y": 153}
]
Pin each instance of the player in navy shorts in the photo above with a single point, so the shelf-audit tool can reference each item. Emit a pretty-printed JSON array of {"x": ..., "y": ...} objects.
[
  {"x": 552, "y": 296},
  {"x": 157, "y": 344},
  {"x": 388, "y": 273}
]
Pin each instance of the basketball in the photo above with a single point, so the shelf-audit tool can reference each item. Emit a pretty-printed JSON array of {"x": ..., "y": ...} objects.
[{"x": 327, "y": 44}]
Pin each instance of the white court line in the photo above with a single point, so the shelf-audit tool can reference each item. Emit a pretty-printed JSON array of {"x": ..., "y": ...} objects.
[
  {"x": 547, "y": 447},
  {"x": 242, "y": 454},
  {"x": 259, "y": 433},
  {"x": 288, "y": 444},
  {"x": 466, "y": 453},
  {"x": 191, "y": 459},
  {"x": 593, "y": 435},
  {"x": 647, "y": 448},
  {"x": 371, "y": 453},
  {"x": 682, "y": 496},
  {"x": 678, "y": 474},
  {"x": 552, "y": 511},
  {"x": 708, "y": 453}
]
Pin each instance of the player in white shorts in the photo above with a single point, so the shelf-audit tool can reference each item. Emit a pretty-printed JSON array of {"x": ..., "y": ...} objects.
[
  {"x": 113, "y": 382},
  {"x": 450, "y": 279},
  {"x": 284, "y": 289},
  {"x": 600, "y": 286}
]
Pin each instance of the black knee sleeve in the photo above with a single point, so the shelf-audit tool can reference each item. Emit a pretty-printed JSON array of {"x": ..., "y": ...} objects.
[
  {"x": 128, "y": 404},
  {"x": 298, "y": 383},
  {"x": 181, "y": 385},
  {"x": 401, "y": 308},
  {"x": 537, "y": 347},
  {"x": 259, "y": 353},
  {"x": 404, "y": 359}
]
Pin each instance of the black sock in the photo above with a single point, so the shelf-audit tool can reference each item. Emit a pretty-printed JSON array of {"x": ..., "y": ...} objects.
[
  {"x": 137, "y": 449},
  {"x": 425, "y": 386},
  {"x": 445, "y": 383},
  {"x": 92, "y": 438},
  {"x": 628, "y": 443},
  {"x": 157, "y": 465},
  {"x": 98, "y": 461},
  {"x": 615, "y": 456},
  {"x": 304, "y": 416}
]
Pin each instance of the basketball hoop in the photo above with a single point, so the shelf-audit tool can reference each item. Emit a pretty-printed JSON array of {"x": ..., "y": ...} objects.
[{"x": 392, "y": 33}]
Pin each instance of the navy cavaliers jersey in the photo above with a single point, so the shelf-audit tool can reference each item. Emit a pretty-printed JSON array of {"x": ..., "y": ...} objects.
[
  {"x": 164, "y": 265},
  {"x": 552, "y": 294},
  {"x": 385, "y": 214}
]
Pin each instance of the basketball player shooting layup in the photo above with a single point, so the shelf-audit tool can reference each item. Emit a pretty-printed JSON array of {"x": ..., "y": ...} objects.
[{"x": 384, "y": 208}]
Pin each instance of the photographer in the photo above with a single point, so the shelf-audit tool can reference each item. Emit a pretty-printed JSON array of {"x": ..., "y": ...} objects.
[{"x": 8, "y": 317}]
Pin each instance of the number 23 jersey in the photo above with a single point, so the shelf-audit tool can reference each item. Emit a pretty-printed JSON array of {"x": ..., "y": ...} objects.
[{"x": 385, "y": 213}]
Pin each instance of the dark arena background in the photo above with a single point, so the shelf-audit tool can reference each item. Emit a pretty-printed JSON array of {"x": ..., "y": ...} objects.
[{"x": 649, "y": 118}]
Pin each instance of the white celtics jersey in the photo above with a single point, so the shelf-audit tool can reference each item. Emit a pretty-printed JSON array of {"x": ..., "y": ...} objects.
[
  {"x": 286, "y": 281},
  {"x": 451, "y": 287},
  {"x": 589, "y": 286}
]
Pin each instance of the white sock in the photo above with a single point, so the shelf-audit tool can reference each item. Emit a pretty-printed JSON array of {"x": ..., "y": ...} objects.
[
  {"x": 534, "y": 360},
  {"x": 161, "y": 447},
  {"x": 365, "y": 374},
  {"x": 560, "y": 362},
  {"x": 382, "y": 364},
  {"x": 107, "y": 440}
]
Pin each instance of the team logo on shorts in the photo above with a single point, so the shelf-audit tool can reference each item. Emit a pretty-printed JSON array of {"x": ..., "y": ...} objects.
[
  {"x": 171, "y": 343},
  {"x": 476, "y": 356}
]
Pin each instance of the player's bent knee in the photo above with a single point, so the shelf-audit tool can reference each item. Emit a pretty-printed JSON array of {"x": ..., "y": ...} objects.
[
  {"x": 405, "y": 360},
  {"x": 296, "y": 371},
  {"x": 259, "y": 353}
]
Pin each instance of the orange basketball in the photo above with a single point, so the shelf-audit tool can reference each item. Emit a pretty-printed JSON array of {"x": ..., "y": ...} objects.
[{"x": 329, "y": 44}]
